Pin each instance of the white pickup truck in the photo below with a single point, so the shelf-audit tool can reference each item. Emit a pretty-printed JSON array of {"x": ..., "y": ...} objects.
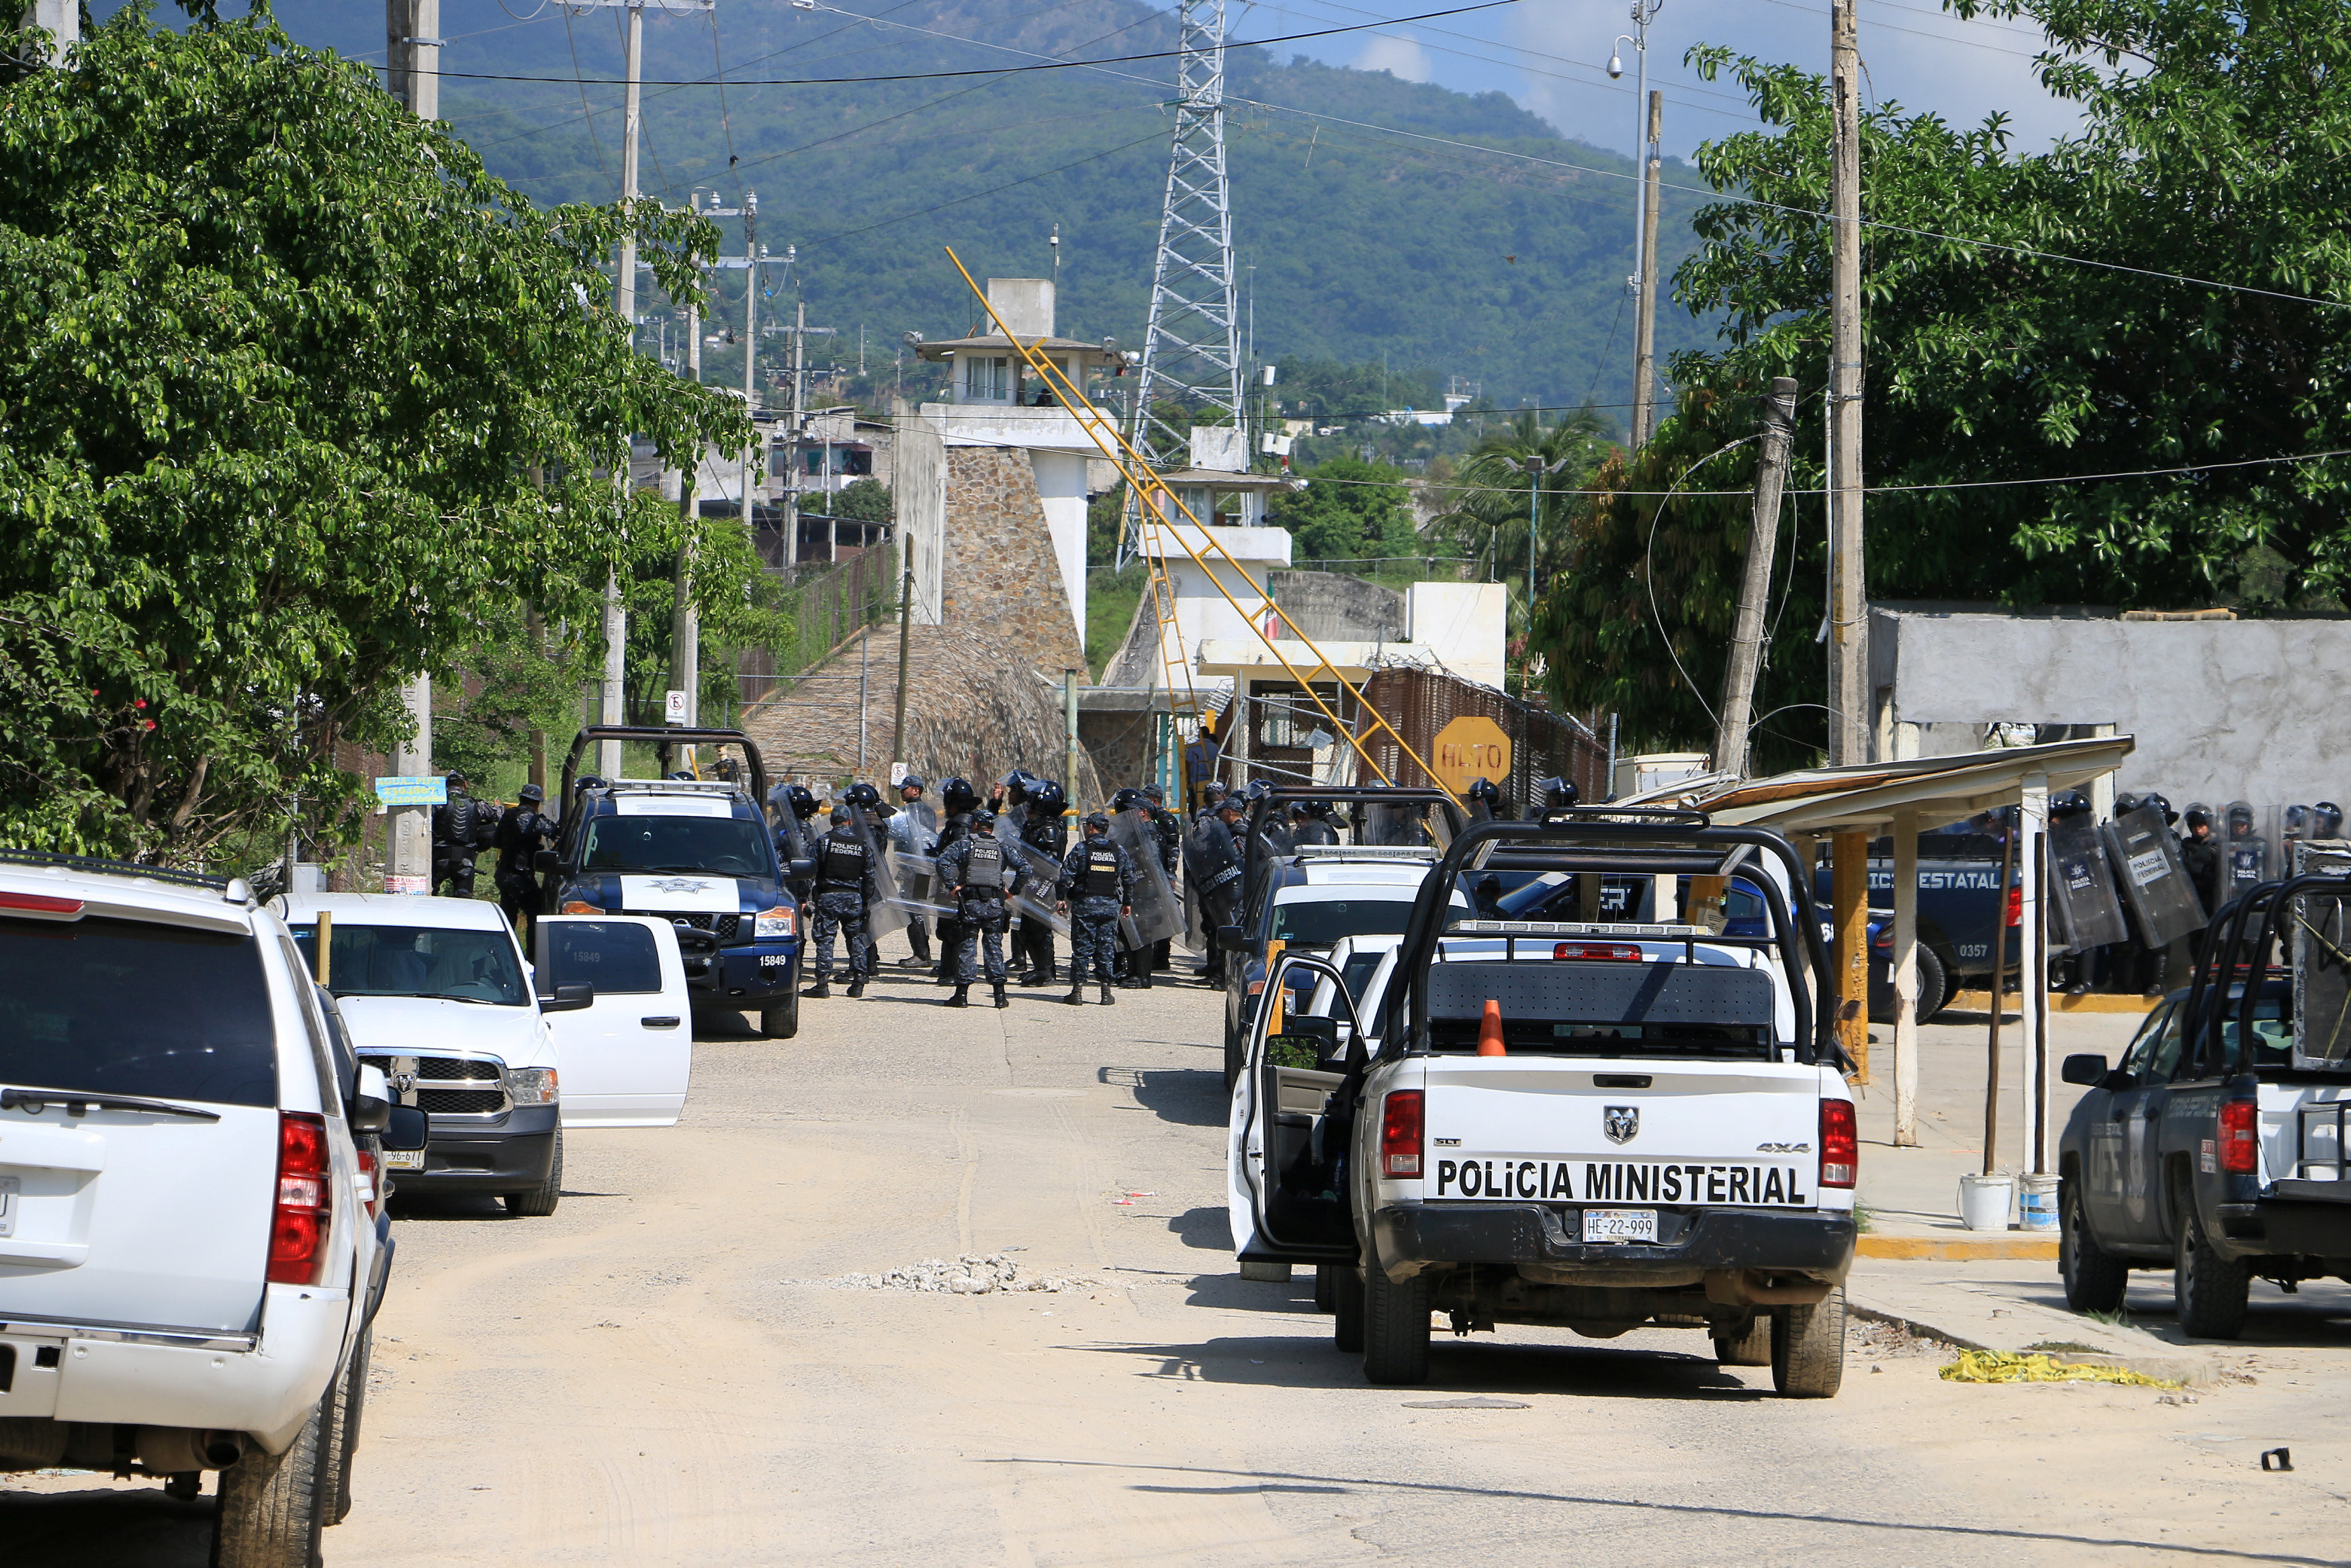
[{"x": 1595, "y": 1124}]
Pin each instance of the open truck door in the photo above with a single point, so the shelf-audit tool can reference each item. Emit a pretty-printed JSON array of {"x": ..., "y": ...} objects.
[
  {"x": 1287, "y": 1136},
  {"x": 625, "y": 1058}
]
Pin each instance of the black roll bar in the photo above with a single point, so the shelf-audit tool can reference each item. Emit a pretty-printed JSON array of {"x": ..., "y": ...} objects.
[
  {"x": 1405, "y": 1008},
  {"x": 664, "y": 737}
]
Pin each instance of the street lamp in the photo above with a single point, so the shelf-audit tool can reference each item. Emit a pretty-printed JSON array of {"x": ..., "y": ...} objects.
[{"x": 1533, "y": 466}]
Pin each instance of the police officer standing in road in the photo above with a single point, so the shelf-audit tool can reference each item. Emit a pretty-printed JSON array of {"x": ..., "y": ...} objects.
[
  {"x": 1045, "y": 831},
  {"x": 523, "y": 831},
  {"x": 973, "y": 865},
  {"x": 1097, "y": 888},
  {"x": 1310, "y": 823},
  {"x": 462, "y": 828},
  {"x": 960, "y": 801},
  {"x": 907, "y": 837},
  {"x": 845, "y": 889},
  {"x": 2199, "y": 852},
  {"x": 1170, "y": 828}
]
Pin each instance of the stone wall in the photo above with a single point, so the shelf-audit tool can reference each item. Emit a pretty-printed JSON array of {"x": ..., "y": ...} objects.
[
  {"x": 1333, "y": 606},
  {"x": 1000, "y": 577}
]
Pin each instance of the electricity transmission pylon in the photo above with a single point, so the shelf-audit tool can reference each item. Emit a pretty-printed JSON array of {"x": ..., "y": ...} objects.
[{"x": 1191, "y": 353}]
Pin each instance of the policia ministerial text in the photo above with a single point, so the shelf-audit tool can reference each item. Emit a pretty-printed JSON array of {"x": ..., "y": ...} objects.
[{"x": 1622, "y": 1182}]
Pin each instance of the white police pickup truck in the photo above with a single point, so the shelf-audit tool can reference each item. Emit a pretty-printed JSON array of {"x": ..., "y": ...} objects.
[
  {"x": 192, "y": 1246},
  {"x": 1594, "y": 1125}
]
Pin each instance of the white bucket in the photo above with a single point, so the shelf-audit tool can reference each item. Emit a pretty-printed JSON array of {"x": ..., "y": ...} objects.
[
  {"x": 1984, "y": 1201},
  {"x": 2036, "y": 1203}
]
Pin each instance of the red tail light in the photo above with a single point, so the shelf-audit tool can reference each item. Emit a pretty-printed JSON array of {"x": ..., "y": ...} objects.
[
  {"x": 2241, "y": 1147},
  {"x": 1619, "y": 952},
  {"x": 40, "y": 904},
  {"x": 2016, "y": 904},
  {"x": 1839, "y": 1144},
  {"x": 1400, "y": 1134},
  {"x": 373, "y": 1177},
  {"x": 298, "y": 1228}
]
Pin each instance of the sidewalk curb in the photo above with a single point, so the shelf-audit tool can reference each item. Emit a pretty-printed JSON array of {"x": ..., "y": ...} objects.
[
  {"x": 2091, "y": 1001},
  {"x": 2184, "y": 1367},
  {"x": 1976, "y": 1249}
]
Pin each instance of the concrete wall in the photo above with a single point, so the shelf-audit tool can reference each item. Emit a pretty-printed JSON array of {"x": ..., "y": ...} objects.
[
  {"x": 1331, "y": 607},
  {"x": 1001, "y": 573},
  {"x": 920, "y": 500},
  {"x": 2220, "y": 709},
  {"x": 1061, "y": 478},
  {"x": 1464, "y": 625}
]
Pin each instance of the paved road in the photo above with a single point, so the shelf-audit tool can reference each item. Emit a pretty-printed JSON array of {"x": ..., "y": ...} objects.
[{"x": 660, "y": 1373}]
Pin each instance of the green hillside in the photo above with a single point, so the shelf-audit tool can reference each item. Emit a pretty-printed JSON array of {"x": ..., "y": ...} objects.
[{"x": 1367, "y": 247}]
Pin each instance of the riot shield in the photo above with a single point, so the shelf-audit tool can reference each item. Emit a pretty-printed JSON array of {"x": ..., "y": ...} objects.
[
  {"x": 887, "y": 913},
  {"x": 1210, "y": 865},
  {"x": 2318, "y": 941},
  {"x": 1157, "y": 915},
  {"x": 2150, "y": 878},
  {"x": 1395, "y": 825},
  {"x": 2244, "y": 850},
  {"x": 2089, "y": 911},
  {"x": 1029, "y": 875},
  {"x": 919, "y": 889}
]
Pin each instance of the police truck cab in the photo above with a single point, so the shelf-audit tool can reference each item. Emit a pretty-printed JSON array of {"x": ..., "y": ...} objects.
[{"x": 1599, "y": 1125}]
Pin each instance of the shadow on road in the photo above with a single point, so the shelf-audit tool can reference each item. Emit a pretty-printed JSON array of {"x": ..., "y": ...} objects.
[
  {"x": 106, "y": 1528},
  {"x": 1479, "y": 1365},
  {"x": 1189, "y": 1097},
  {"x": 1211, "y": 1229}
]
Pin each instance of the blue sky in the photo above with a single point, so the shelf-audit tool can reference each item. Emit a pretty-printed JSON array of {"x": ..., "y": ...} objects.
[{"x": 1551, "y": 57}]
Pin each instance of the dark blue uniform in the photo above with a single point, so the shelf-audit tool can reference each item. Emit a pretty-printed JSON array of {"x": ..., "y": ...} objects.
[
  {"x": 845, "y": 889},
  {"x": 1098, "y": 881},
  {"x": 974, "y": 865}
]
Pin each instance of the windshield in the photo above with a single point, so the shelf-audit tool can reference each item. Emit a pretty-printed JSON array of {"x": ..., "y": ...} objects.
[
  {"x": 723, "y": 846},
  {"x": 122, "y": 1007},
  {"x": 418, "y": 961},
  {"x": 1323, "y": 921}
]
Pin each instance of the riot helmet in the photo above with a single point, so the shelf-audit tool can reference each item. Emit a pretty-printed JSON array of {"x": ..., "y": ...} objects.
[
  {"x": 680, "y": 775},
  {"x": 2069, "y": 803},
  {"x": 1048, "y": 798},
  {"x": 1020, "y": 785},
  {"x": 530, "y": 794},
  {"x": 957, "y": 794},
  {"x": 1126, "y": 800},
  {"x": 2326, "y": 820},
  {"x": 1486, "y": 790},
  {"x": 2126, "y": 803},
  {"x": 801, "y": 800},
  {"x": 454, "y": 783},
  {"x": 2197, "y": 816},
  {"x": 2240, "y": 819},
  {"x": 2297, "y": 822},
  {"x": 983, "y": 820},
  {"x": 863, "y": 794},
  {"x": 585, "y": 784},
  {"x": 2161, "y": 805},
  {"x": 1557, "y": 794}
]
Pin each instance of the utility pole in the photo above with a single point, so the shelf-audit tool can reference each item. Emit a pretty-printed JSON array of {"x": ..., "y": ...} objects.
[
  {"x": 413, "y": 61},
  {"x": 1644, "y": 331},
  {"x": 1762, "y": 540},
  {"x": 1641, "y": 282},
  {"x": 1848, "y": 613},
  {"x": 796, "y": 467},
  {"x": 625, "y": 301},
  {"x": 685, "y": 617}
]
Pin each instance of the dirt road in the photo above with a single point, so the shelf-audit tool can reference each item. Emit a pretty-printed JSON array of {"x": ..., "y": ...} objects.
[{"x": 662, "y": 1372}]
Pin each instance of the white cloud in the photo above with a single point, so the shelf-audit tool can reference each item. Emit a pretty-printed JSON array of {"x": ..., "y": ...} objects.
[{"x": 1403, "y": 58}]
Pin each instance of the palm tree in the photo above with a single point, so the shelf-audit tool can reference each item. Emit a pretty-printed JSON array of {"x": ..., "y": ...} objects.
[{"x": 1490, "y": 515}]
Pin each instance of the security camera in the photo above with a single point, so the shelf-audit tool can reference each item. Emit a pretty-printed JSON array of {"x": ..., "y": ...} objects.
[{"x": 1615, "y": 66}]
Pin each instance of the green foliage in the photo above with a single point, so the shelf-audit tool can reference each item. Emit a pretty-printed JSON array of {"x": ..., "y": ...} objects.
[
  {"x": 2214, "y": 147},
  {"x": 1487, "y": 495},
  {"x": 867, "y": 500},
  {"x": 502, "y": 688},
  {"x": 277, "y": 366},
  {"x": 1349, "y": 508}
]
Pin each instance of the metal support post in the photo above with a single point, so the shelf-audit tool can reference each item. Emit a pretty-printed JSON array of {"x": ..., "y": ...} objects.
[
  {"x": 1905, "y": 980},
  {"x": 1762, "y": 540}
]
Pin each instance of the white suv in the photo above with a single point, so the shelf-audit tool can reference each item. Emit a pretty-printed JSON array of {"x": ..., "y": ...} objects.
[{"x": 188, "y": 1247}]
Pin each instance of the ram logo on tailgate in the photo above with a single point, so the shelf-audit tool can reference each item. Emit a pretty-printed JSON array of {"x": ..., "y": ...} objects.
[{"x": 1621, "y": 1123}]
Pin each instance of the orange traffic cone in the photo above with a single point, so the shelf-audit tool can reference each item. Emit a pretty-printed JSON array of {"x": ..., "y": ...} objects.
[{"x": 1490, "y": 1031}]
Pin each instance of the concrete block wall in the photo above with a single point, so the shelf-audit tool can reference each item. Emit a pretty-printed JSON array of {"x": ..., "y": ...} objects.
[
  {"x": 1333, "y": 606},
  {"x": 1000, "y": 577}
]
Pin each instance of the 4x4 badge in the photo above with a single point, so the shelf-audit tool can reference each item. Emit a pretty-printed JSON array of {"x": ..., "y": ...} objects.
[{"x": 1621, "y": 1123}]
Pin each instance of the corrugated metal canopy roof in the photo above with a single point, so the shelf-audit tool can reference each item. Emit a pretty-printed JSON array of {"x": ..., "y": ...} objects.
[{"x": 1865, "y": 796}]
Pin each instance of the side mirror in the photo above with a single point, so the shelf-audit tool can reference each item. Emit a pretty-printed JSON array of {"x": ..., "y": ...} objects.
[
  {"x": 572, "y": 998},
  {"x": 2087, "y": 1068},
  {"x": 368, "y": 1114},
  {"x": 546, "y": 862},
  {"x": 406, "y": 1129},
  {"x": 800, "y": 869},
  {"x": 1229, "y": 939}
]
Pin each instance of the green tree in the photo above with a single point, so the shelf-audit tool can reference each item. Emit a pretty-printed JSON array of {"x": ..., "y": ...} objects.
[
  {"x": 1487, "y": 495},
  {"x": 295, "y": 400},
  {"x": 1350, "y": 509},
  {"x": 2025, "y": 318},
  {"x": 868, "y": 500}
]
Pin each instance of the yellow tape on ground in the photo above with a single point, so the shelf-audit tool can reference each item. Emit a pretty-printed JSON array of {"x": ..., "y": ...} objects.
[{"x": 2010, "y": 1367}]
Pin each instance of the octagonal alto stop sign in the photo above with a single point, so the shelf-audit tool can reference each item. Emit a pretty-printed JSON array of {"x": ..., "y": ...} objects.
[{"x": 1469, "y": 749}]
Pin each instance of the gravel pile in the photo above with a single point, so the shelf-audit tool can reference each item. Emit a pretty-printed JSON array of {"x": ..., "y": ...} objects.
[{"x": 973, "y": 1274}]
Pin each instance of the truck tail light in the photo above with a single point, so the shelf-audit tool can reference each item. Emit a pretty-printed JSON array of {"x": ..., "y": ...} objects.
[
  {"x": 1839, "y": 1144},
  {"x": 298, "y": 1227},
  {"x": 1619, "y": 952},
  {"x": 2016, "y": 904},
  {"x": 1400, "y": 1134},
  {"x": 373, "y": 1176},
  {"x": 2240, "y": 1137}
]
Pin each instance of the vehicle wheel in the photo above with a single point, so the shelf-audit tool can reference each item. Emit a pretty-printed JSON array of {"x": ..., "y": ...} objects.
[
  {"x": 782, "y": 1021},
  {"x": 1395, "y": 1326},
  {"x": 1326, "y": 1286},
  {"x": 2096, "y": 1281},
  {"x": 1752, "y": 1348},
  {"x": 271, "y": 1506},
  {"x": 1234, "y": 1050},
  {"x": 1346, "y": 1311},
  {"x": 1934, "y": 986},
  {"x": 539, "y": 1203},
  {"x": 343, "y": 1427},
  {"x": 2210, "y": 1289},
  {"x": 1808, "y": 1347}
]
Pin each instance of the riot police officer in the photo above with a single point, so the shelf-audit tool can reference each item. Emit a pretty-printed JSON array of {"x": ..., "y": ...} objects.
[
  {"x": 1097, "y": 889},
  {"x": 2200, "y": 853},
  {"x": 1484, "y": 800},
  {"x": 1170, "y": 829},
  {"x": 973, "y": 865},
  {"x": 1310, "y": 823},
  {"x": 795, "y": 839},
  {"x": 845, "y": 890},
  {"x": 462, "y": 828},
  {"x": 907, "y": 837},
  {"x": 1044, "y": 830},
  {"x": 959, "y": 800},
  {"x": 523, "y": 831}
]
